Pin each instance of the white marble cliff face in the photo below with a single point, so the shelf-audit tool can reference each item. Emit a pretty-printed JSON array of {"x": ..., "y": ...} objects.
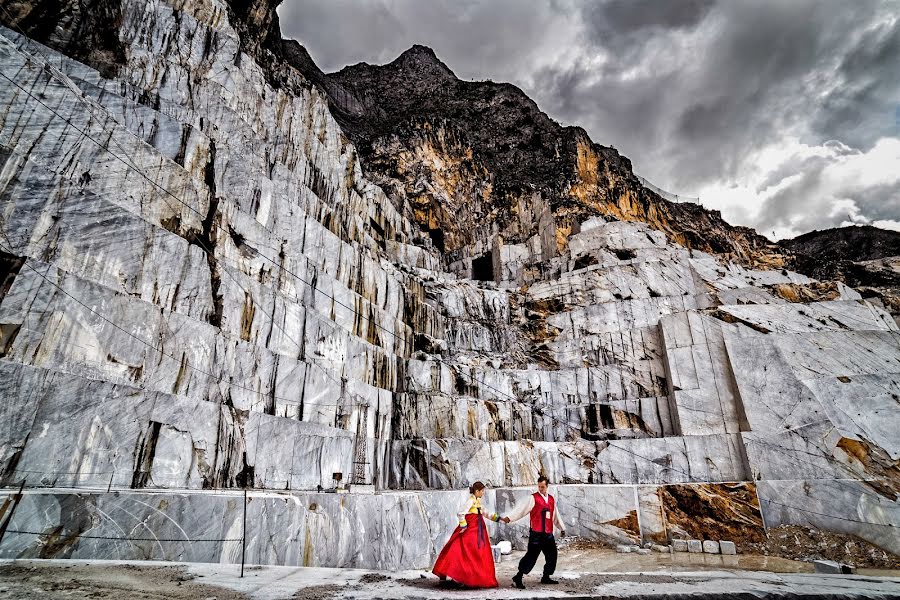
[
  {"x": 201, "y": 290},
  {"x": 391, "y": 530}
]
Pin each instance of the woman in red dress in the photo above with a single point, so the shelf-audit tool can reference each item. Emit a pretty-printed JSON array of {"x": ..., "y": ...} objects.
[{"x": 467, "y": 558}]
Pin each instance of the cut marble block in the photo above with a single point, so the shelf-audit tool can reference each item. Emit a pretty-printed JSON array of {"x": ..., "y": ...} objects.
[
  {"x": 852, "y": 507},
  {"x": 701, "y": 381},
  {"x": 710, "y": 547},
  {"x": 817, "y": 451},
  {"x": 863, "y": 407},
  {"x": 832, "y": 567},
  {"x": 819, "y": 404},
  {"x": 652, "y": 515},
  {"x": 728, "y": 548},
  {"x": 301, "y": 530},
  {"x": 695, "y": 546}
]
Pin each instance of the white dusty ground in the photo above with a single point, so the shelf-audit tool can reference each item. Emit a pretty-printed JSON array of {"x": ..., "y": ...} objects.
[{"x": 590, "y": 573}]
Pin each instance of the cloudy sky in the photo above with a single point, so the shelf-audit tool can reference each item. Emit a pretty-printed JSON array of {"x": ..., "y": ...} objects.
[{"x": 783, "y": 114}]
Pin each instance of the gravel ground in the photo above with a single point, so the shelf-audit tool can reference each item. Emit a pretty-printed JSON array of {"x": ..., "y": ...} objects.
[
  {"x": 51, "y": 582},
  {"x": 800, "y": 543},
  {"x": 318, "y": 592},
  {"x": 583, "y": 584},
  {"x": 582, "y": 571}
]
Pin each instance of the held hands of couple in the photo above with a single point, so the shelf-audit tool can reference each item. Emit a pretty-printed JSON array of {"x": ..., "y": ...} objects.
[{"x": 562, "y": 533}]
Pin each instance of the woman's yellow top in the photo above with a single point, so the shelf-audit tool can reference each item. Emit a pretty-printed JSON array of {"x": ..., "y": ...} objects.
[{"x": 474, "y": 507}]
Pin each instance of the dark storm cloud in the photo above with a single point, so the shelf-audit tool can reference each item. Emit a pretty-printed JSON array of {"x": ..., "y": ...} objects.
[
  {"x": 824, "y": 191},
  {"x": 617, "y": 21},
  {"x": 869, "y": 73},
  {"x": 722, "y": 84},
  {"x": 691, "y": 91},
  {"x": 631, "y": 15}
]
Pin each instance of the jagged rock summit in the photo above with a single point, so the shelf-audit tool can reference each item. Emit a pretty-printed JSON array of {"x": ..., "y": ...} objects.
[
  {"x": 223, "y": 269},
  {"x": 491, "y": 145}
]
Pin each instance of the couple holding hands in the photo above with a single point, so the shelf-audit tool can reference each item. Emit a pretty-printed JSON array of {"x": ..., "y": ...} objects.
[{"x": 467, "y": 558}]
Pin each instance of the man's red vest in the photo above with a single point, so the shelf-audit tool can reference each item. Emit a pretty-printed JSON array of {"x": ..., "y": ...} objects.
[{"x": 542, "y": 513}]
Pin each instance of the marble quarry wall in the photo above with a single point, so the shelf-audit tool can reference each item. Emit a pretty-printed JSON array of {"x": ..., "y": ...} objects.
[
  {"x": 347, "y": 530},
  {"x": 201, "y": 292}
]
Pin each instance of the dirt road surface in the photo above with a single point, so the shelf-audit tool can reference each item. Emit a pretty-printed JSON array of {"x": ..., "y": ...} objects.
[{"x": 52, "y": 582}]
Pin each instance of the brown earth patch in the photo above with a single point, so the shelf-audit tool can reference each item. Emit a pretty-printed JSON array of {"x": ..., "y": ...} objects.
[
  {"x": 714, "y": 511},
  {"x": 801, "y": 543}
]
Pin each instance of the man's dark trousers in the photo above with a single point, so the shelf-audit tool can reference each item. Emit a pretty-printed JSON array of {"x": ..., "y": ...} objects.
[{"x": 539, "y": 542}]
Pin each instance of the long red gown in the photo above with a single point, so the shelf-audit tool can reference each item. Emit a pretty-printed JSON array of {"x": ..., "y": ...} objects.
[{"x": 466, "y": 557}]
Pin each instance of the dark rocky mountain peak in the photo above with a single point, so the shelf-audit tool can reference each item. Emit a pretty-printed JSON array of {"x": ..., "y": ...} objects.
[
  {"x": 420, "y": 61},
  {"x": 855, "y": 243},
  {"x": 486, "y": 150},
  {"x": 864, "y": 257}
]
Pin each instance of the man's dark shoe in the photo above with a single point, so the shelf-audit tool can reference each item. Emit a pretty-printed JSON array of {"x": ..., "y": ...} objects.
[
  {"x": 546, "y": 579},
  {"x": 517, "y": 579}
]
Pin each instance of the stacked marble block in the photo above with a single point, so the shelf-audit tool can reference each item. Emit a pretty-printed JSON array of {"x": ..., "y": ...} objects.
[
  {"x": 291, "y": 329},
  {"x": 609, "y": 380},
  {"x": 705, "y": 546},
  {"x": 740, "y": 360}
]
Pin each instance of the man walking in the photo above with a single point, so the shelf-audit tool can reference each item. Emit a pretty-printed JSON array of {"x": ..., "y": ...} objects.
[{"x": 541, "y": 507}]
